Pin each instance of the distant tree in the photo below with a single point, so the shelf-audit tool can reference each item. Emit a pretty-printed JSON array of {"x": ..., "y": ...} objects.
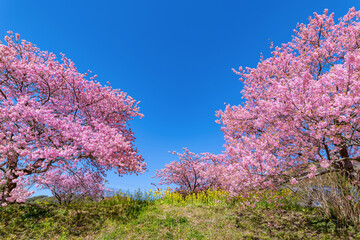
[
  {"x": 301, "y": 114},
  {"x": 52, "y": 116},
  {"x": 192, "y": 172}
]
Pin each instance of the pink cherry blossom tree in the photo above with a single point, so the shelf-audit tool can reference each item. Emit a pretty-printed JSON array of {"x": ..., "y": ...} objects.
[
  {"x": 66, "y": 186},
  {"x": 301, "y": 113},
  {"x": 53, "y": 116},
  {"x": 192, "y": 172}
]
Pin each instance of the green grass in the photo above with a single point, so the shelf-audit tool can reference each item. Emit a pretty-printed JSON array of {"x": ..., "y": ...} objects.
[
  {"x": 156, "y": 216},
  {"x": 209, "y": 222}
]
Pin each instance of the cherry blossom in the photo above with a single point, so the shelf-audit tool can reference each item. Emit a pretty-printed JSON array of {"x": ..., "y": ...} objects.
[
  {"x": 193, "y": 172},
  {"x": 53, "y": 116},
  {"x": 69, "y": 185},
  {"x": 301, "y": 113}
]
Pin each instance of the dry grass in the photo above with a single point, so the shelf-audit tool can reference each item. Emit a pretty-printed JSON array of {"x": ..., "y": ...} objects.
[{"x": 336, "y": 196}]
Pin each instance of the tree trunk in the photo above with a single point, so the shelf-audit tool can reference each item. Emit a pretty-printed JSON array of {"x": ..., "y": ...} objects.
[{"x": 347, "y": 165}]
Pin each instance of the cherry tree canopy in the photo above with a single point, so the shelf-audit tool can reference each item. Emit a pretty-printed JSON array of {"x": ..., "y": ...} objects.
[
  {"x": 69, "y": 185},
  {"x": 52, "y": 116},
  {"x": 193, "y": 172},
  {"x": 301, "y": 114}
]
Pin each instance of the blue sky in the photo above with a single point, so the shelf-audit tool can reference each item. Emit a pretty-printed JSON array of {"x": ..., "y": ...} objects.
[{"x": 173, "y": 56}]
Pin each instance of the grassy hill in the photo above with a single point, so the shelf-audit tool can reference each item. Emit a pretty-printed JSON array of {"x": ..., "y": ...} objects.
[{"x": 152, "y": 215}]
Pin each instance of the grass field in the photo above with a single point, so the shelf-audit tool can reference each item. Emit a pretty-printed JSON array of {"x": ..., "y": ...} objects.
[{"x": 165, "y": 215}]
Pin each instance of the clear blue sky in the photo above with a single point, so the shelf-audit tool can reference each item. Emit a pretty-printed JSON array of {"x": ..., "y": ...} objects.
[{"x": 173, "y": 56}]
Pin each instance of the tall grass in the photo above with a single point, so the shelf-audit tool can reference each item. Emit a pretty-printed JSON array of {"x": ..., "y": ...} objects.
[{"x": 336, "y": 196}]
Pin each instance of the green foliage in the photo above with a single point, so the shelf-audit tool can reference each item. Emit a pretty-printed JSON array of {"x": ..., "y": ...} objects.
[
  {"x": 282, "y": 198},
  {"x": 47, "y": 221}
]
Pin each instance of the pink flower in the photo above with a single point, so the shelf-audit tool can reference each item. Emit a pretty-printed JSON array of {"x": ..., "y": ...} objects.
[
  {"x": 61, "y": 117},
  {"x": 291, "y": 117},
  {"x": 325, "y": 164},
  {"x": 293, "y": 181}
]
